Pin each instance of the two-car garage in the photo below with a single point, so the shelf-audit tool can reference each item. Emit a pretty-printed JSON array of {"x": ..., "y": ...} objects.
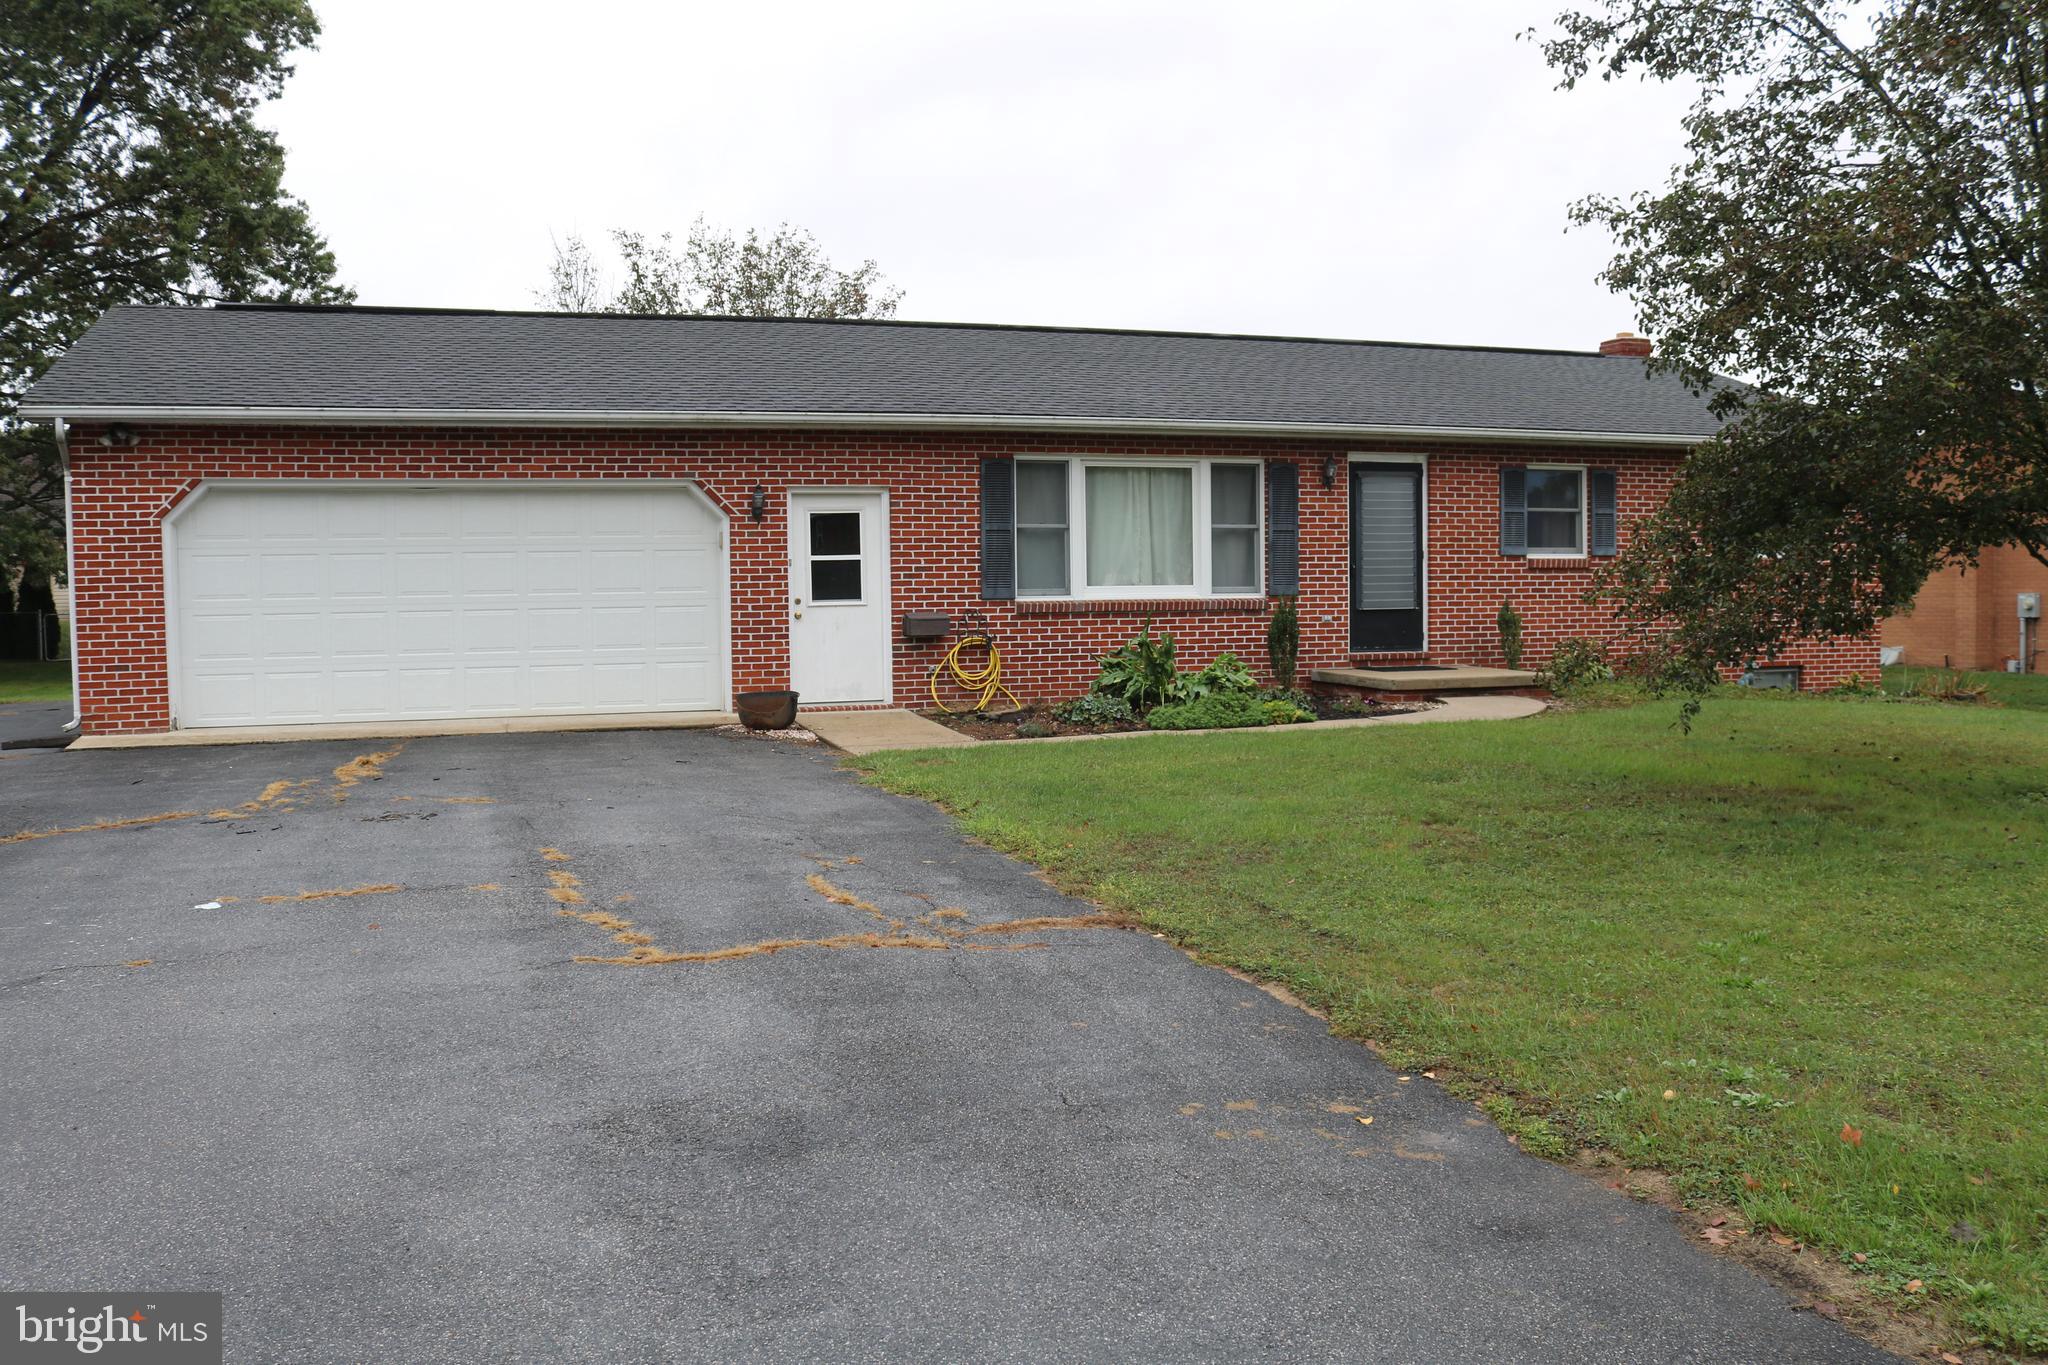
[{"x": 341, "y": 600}]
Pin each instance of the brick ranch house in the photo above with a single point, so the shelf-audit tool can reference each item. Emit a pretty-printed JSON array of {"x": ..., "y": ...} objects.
[{"x": 289, "y": 515}]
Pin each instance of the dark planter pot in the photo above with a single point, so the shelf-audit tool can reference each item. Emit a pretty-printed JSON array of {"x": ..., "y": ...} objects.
[{"x": 766, "y": 710}]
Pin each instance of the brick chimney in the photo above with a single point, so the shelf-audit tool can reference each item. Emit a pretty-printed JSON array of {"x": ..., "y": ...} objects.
[{"x": 1628, "y": 344}]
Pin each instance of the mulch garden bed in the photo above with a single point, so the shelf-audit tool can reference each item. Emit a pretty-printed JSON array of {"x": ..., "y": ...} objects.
[{"x": 1003, "y": 724}]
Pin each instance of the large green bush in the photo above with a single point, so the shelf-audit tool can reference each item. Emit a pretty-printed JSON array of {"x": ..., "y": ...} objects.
[{"x": 1217, "y": 711}]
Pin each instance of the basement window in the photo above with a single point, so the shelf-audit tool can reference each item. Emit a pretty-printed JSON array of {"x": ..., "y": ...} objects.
[{"x": 1780, "y": 678}]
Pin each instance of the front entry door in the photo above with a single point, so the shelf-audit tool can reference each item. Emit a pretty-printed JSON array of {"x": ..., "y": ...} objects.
[
  {"x": 1386, "y": 558},
  {"x": 838, "y": 598}
]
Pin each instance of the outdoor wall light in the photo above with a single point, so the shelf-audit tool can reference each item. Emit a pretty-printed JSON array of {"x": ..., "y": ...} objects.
[
  {"x": 757, "y": 503},
  {"x": 118, "y": 435},
  {"x": 1329, "y": 471}
]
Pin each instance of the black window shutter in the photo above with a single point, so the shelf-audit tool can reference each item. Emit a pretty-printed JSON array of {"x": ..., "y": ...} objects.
[
  {"x": 1283, "y": 528},
  {"x": 1600, "y": 498},
  {"x": 1514, "y": 510},
  {"x": 999, "y": 529}
]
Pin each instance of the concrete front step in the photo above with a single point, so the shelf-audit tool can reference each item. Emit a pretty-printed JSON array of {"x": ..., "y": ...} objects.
[{"x": 1451, "y": 678}]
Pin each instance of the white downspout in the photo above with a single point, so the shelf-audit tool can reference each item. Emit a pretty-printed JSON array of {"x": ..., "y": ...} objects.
[{"x": 70, "y": 578}]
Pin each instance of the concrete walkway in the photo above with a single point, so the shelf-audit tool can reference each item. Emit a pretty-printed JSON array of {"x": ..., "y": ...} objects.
[{"x": 865, "y": 732}]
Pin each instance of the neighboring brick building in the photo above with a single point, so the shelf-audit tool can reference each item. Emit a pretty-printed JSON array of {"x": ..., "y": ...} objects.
[
  {"x": 304, "y": 515},
  {"x": 1969, "y": 618}
]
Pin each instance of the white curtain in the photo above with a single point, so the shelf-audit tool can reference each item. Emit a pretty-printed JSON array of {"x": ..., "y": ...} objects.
[{"x": 1141, "y": 528}]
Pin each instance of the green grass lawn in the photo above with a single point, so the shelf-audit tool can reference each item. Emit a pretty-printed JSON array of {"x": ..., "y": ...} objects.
[
  {"x": 34, "y": 682},
  {"x": 1807, "y": 914},
  {"x": 2028, "y": 691}
]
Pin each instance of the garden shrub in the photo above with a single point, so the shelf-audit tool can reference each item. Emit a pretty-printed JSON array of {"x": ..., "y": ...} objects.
[
  {"x": 1142, "y": 671},
  {"x": 1577, "y": 661},
  {"x": 1033, "y": 729},
  {"x": 1096, "y": 708},
  {"x": 1509, "y": 623},
  {"x": 1227, "y": 674},
  {"x": 1283, "y": 640},
  {"x": 1281, "y": 712},
  {"x": 1218, "y": 711}
]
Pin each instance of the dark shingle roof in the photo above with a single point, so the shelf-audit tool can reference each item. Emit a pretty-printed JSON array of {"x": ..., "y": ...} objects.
[{"x": 428, "y": 365}]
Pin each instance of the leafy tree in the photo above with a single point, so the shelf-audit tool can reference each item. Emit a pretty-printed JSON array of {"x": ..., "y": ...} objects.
[
  {"x": 132, "y": 171},
  {"x": 783, "y": 275},
  {"x": 1858, "y": 232}
]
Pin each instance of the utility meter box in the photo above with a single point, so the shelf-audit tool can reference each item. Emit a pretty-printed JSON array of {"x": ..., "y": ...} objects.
[{"x": 2030, "y": 606}]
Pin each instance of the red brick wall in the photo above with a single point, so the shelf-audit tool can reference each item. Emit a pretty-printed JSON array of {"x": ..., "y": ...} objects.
[{"x": 120, "y": 497}]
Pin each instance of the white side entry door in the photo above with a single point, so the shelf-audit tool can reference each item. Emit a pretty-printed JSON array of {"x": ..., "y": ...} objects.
[{"x": 839, "y": 597}]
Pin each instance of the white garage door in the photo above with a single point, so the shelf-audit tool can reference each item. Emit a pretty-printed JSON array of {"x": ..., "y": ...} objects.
[{"x": 317, "y": 603}]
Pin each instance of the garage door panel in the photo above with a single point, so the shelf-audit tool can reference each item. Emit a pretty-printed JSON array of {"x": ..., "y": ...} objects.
[
  {"x": 676, "y": 682},
  {"x": 422, "y": 573},
  {"x": 351, "y": 603},
  {"x": 492, "y": 518},
  {"x": 289, "y": 697},
  {"x": 363, "y": 693},
  {"x": 356, "y": 635},
  {"x": 487, "y": 690},
  {"x": 554, "y": 573},
  {"x": 359, "y": 574},
  {"x": 494, "y": 632},
  {"x": 683, "y": 627},
  {"x": 293, "y": 636},
  {"x": 491, "y": 573},
  {"x": 208, "y": 577},
  {"x": 416, "y": 631},
  {"x": 425, "y": 515},
  {"x": 428, "y": 691},
  {"x": 618, "y": 684},
  {"x": 231, "y": 696},
  {"x": 557, "y": 687},
  {"x": 618, "y": 571},
  {"x": 218, "y": 640}
]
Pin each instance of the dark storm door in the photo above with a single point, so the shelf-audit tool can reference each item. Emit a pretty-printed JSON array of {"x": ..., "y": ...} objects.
[{"x": 1386, "y": 558}]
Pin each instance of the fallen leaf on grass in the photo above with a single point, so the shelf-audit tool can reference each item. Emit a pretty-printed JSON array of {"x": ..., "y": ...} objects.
[
  {"x": 1782, "y": 1240},
  {"x": 1750, "y": 1182},
  {"x": 1828, "y": 1310},
  {"x": 1719, "y": 1236},
  {"x": 1914, "y": 1286},
  {"x": 1860, "y": 1259},
  {"x": 1951, "y": 1358},
  {"x": 1852, "y": 1136},
  {"x": 1979, "y": 1179}
]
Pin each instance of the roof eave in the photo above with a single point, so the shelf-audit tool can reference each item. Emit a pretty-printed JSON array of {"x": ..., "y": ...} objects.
[{"x": 901, "y": 421}]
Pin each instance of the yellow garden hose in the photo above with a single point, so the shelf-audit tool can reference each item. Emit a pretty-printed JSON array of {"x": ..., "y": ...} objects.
[{"x": 985, "y": 681}]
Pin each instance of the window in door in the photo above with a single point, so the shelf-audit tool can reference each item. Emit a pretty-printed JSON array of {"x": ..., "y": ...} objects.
[{"x": 835, "y": 557}]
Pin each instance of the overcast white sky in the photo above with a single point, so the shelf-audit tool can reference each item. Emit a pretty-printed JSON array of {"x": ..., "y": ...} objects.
[{"x": 1384, "y": 170}]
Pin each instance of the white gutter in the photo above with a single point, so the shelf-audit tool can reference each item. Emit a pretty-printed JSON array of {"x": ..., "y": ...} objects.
[
  {"x": 897, "y": 421},
  {"x": 70, "y": 576}
]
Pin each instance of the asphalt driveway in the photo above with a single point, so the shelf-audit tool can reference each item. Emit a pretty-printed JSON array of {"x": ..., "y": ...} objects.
[{"x": 839, "y": 1117}]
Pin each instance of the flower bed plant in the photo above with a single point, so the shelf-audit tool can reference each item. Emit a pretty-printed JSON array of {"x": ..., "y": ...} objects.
[{"x": 1140, "y": 688}]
